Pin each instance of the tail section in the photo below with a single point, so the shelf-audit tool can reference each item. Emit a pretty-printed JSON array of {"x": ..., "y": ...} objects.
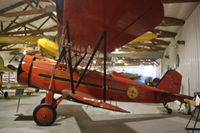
[{"x": 170, "y": 82}]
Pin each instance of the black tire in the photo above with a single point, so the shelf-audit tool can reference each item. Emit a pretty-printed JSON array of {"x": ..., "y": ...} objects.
[
  {"x": 5, "y": 94},
  {"x": 42, "y": 101},
  {"x": 40, "y": 116},
  {"x": 37, "y": 90},
  {"x": 169, "y": 111}
]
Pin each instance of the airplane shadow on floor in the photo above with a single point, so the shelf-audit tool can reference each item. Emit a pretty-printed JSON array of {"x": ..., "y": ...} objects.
[{"x": 87, "y": 125}]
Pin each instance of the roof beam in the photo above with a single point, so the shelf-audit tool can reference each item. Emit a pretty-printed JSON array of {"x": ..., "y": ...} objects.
[
  {"x": 138, "y": 49},
  {"x": 29, "y": 3},
  {"x": 170, "y": 21},
  {"x": 29, "y": 21},
  {"x": 9, "y": 49},
  {"x": 30, "y": 12},
  {"x": 12, "y": 7},
  {"x": 160, "y": 42},
  {"x": 51, "y": 29},
  {"x": 14, "y": 20},
  {"x": 179, "y": 1},
  {"x": 143, "y": 44},
  {"x": 162, "y": 33}
]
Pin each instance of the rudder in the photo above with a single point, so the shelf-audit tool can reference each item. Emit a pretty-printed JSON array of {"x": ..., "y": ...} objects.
[{"x": 170, "y": 82}]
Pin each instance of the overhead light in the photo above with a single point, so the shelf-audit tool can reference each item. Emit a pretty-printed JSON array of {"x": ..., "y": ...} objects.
[
  {"x": 24, "y": 52},
  {"x": 126, "y": 64},
  {"x": 116, "y": 50},
  {"x": 120, "y": 61},
  {"x": 55, "y": 13},
  {"x": 94, "y": 61}
]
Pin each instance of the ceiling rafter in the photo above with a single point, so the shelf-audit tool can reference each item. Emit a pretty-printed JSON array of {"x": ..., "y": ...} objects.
[
  {"x": 48, "y": 1},
  {"x": 32, "y": 26},
  {"x": 170, "y": 21},
  {"x": 29, "y": 21},
  {"x": 178, "y": 1},
  {"x": 144, "y": 44},
  {"x": 11, "y": 49},
  {"x": 30, "y": 12},
  {"x": 3, "y": 45},
  {"x": 23, "y": 26},
  {"x": 12, "y": 7},
  {"x": 162, "y": 33},
  {"x": 160, "y": 42},
  {"x": 29, "y": 3},
  {"x": 153, "y": 47},
  {"x": 53, "y": 17},
  {"x": 14, "y": 20},
  {"x": 51, "y": 29},
  {"x": 44, "y": 22},
  {"x": 131, "y": 49}
]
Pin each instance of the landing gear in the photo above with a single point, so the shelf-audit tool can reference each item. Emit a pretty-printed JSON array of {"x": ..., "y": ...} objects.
[
  {"x": 5, "y": 94},
  {"x": 44, "y": 114},
  {"x": 37, "y": 90},
  {"x": 169, "y": 110}
]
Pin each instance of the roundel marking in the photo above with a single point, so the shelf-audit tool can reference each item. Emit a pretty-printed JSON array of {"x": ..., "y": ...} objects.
[{"x": 132, "y": 92}]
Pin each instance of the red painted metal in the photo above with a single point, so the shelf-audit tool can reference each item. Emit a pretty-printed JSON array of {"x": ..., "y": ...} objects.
[
  {"x": 122, "y": 20},
  {"x": 44, "y": 115},
  {"x": 119, "y": 88}
]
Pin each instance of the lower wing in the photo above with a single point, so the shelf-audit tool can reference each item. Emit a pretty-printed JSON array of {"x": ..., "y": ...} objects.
[{"x": 90, "y": 101}]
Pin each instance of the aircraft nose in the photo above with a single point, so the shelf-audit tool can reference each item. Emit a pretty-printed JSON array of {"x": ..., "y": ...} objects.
[{"x": 24, "y": 69}]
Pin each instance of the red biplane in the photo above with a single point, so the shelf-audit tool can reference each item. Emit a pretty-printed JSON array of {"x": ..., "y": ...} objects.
[{"x": 101, "y": 25}]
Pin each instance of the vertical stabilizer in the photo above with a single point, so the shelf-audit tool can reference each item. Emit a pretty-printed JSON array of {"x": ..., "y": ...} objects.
[{"x": 170, "y": 82}]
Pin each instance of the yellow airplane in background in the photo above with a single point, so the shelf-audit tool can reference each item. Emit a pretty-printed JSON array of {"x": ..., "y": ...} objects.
[{"x": 50, "y": 47}]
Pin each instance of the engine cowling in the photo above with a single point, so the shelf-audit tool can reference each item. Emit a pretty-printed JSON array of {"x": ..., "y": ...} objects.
[{"x": 24, "y": 70}]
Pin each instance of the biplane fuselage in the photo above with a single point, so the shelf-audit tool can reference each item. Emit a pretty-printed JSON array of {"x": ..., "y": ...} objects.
[{"x": 38, "y": 74}]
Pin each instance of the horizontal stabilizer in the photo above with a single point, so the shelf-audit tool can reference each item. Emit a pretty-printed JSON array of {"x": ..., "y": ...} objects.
[
  {"x": 182, "y": 98},
  {"x": 192, "y": 102},
  {"x": 94, "y": 102}
]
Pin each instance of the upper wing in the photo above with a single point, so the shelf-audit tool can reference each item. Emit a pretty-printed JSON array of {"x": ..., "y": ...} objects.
[{"x": 122, "y": 20}]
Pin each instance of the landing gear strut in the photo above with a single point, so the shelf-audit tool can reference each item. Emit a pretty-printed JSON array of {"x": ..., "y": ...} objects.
[
  {"x": 45, "y": 113},
  {"x": 169, "y": 110}
]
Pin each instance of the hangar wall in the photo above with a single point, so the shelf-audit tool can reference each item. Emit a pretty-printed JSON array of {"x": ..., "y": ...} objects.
[{"x": 189, "y": 54}]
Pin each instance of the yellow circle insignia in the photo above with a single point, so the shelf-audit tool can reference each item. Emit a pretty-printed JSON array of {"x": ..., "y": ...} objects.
[{"x": 132, "y": 92}]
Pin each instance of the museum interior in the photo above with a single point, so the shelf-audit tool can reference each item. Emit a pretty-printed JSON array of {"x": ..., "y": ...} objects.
[{"x": 99, "y": 66}]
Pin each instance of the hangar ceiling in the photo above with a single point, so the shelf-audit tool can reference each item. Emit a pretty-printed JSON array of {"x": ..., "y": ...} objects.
[{"x": 38, "y": 18}]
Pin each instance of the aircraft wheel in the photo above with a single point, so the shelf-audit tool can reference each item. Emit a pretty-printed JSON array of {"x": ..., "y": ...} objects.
[
  {"x": 5, "y": 94},
  {"x": 44, "y": 115},
  {"x": 169, "y": 111},
  {"x": 37, "y": 90}
]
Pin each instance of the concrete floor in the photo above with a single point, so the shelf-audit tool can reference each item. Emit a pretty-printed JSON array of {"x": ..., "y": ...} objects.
[{"x": 77, "y": 118}]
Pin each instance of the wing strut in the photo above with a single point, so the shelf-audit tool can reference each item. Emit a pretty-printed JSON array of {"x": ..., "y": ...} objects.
[
  {"x": 78, "y": 63},
  {"x": 70, "y": 57},
  {"x": 103, "y": 39}
]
